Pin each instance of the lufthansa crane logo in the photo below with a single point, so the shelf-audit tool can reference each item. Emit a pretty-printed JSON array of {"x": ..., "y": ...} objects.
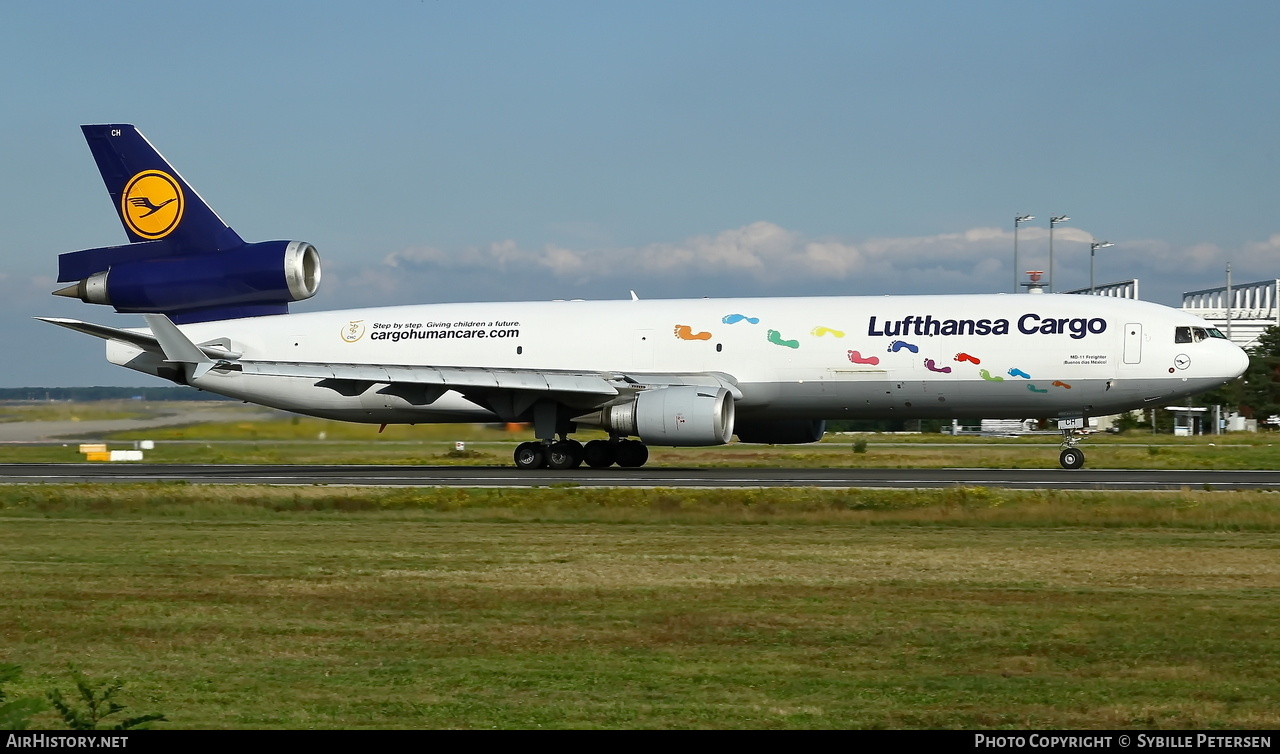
[{"x": 152, "y": 204}]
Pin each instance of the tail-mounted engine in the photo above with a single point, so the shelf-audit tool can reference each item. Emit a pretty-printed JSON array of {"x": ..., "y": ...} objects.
[
  {"x": 678, "y": 416},
  {"x": 254, "y": 279}
]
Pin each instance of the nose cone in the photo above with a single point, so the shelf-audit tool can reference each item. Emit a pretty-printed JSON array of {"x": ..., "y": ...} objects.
[{"x": 1235, "y": 362}]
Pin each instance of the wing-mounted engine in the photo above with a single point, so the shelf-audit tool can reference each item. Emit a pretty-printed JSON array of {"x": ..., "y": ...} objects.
[
  {"x": 678, "y": 416},
  {"x": 256, "y": 278},
  {"x": 788, "y": 432}
]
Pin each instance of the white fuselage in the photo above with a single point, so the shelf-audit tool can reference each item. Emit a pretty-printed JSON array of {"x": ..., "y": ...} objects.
[{"x": 1013, "y": 356}]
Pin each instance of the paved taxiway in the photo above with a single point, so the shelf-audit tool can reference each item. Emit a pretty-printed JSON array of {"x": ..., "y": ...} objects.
[{"x": 498, "y": 476}]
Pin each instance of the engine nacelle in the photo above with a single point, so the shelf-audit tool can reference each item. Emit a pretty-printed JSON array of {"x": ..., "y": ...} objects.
[
  {"x": 785, "y": 432},
  {"x": 679, "y": 416},
  {"x": 258, "y": 278}
]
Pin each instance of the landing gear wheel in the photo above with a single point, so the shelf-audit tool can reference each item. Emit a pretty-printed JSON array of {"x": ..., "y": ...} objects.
[
  {"x": 632, "y": 454},
  {"x": 566, "y": 454},
  {"x": 1071, "y": 458},
  {"x": 598, "y": 454},
  {"x": 529, "y": 456}
]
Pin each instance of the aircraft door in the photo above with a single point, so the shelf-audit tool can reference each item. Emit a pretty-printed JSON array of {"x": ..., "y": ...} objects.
[{"x": 1133, "y": 343}]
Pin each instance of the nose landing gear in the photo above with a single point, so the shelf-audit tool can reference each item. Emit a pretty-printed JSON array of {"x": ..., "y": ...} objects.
[{"x": 1071, "y": 457}]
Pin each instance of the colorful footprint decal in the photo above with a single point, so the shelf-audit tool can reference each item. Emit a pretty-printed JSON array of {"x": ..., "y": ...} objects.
[
  {"x": 1015, "y": 372},
  {"x": 858, "y": 358},
  {"x": 776, "y": 338},
  {"x": 733, "y": 319},
  {"x": 932, "y": 366},
  {"x": 989, "y": 377},
  {"x": 818, "y": 332},
  {"x": 968, "y": 358},
  {"x": 1035, "y": 389},
  {"x": 898, "y": 345},
  {"x": 1060, "y": 383},
  {"x": 684, "y": 332}
]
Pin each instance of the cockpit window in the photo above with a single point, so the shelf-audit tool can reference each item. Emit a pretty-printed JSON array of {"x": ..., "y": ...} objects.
[{"x": 1195, "y": 334}]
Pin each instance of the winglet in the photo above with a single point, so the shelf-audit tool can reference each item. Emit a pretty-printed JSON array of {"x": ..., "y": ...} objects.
[{"x": 178, "y": 348}]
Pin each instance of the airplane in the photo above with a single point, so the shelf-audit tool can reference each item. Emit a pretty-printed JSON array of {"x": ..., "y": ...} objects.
[{"x": 678, "y": 372}]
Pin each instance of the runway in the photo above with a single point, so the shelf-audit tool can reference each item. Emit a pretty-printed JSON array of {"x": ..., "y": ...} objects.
[{"x": 501, "y": 476}]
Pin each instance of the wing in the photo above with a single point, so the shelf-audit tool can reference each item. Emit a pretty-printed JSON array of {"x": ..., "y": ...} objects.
[{"x": 508, "y": 392}]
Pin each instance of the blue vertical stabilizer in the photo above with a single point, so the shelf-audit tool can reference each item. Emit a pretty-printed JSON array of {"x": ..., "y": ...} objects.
[{"x": 153, "y": 201}]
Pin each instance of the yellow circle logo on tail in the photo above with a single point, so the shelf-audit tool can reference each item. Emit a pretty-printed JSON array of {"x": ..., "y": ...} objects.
[{"x": 152, "y": 204}]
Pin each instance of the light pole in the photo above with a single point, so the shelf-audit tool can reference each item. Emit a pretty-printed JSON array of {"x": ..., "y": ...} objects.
[
  {"x": 1093, "y": 249},
  {"x": 1228, "y": 301},
  {"x": 1017, "y": 220},
  {"x": 1052, "y": 222}
]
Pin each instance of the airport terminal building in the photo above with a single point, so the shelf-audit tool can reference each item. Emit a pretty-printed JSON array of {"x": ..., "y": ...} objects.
[{"x": 1241, "y": 311}]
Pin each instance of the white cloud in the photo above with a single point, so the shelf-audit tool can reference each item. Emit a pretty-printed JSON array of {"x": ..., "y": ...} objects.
[
  {"x": 1259, "y": 259},
  {"x": 765, "y": 258},
  {"x": 761, "y": 250}
]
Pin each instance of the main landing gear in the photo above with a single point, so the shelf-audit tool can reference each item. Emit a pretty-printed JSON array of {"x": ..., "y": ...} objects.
[{"x": 570, "y": 454}]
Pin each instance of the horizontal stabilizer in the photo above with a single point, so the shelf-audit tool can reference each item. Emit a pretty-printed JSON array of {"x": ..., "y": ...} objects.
[
  {"x": 145, "y": 341},
  {"x": 139, "y": 339}
]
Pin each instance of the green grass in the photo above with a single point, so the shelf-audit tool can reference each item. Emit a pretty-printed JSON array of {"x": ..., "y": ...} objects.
[
  {"x": 305, "y": 440},
  {"x": 336, "y": 607},
  {"x": 275, "y": 437},
  {"x": 826, "y": 455},
  {"x": 68, "y": 411},
  {"x": 240, "y": 607},
  {"x": 273, "y": 443},
  {"x": 952, "y": 507}
]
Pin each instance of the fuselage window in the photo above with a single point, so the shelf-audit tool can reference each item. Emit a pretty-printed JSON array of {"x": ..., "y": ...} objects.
[{"x": 1182, "y": 335}]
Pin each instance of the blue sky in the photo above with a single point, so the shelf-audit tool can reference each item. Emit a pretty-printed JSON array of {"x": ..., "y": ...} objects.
[{"x": 447, "y": 151}]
